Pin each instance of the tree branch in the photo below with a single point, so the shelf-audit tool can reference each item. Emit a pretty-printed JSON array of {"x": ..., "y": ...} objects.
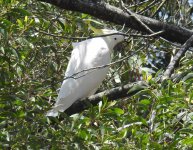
[
  {"x": 112, "y": 94},
  {"x": 176, "y": 58},
  {"x": 153, "y": 35},
  {"x": 113, "y": 14}
]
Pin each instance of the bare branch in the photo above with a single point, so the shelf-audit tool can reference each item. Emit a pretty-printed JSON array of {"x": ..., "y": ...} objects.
[
  {"x": 113, "y": 14},
  {"x": 158, "y": 9},
  {"x": 176, "y": 58}
]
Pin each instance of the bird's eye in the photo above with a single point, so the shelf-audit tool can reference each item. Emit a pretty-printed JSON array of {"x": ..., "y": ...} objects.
[{"x": 115, "y": 38}]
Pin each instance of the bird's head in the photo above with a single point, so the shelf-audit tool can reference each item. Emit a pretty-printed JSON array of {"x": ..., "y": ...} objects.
[{"x": 114, "y": 39}]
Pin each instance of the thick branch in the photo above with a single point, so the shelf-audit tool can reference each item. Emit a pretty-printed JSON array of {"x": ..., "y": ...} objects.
[
  {"x": 112, "y": 94},
  {"x": 113, "y": 14},
  {"x": 177, "y": 57}
]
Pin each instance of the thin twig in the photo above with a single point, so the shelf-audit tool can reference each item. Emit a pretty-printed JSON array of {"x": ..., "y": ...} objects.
[
  {"x": 158, "y": 9},
  {"x": 136, "y": 18},
  {"x": 104, "y": 35},
  {"x": 73, "y": 76},
  {"x": 152, "y": 4}
]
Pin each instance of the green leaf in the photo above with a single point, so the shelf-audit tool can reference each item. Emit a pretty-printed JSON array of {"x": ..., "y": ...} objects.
[
  {"x": 20, "y": 23},
  {"x": 186, "y": 130},
  {"x": 20, "y": 114},
  {"x": 18, "y": 102},
  {"x": 137, "y": 88},
  {"x": 83, "y": 134},
  {"x": 188, "y": 76},
  {"x": 188, "y": 141},
  {"x": 145, "y": 102},
  {"x": 118, "y": 111},
  {"x": 22, "y": 11}
]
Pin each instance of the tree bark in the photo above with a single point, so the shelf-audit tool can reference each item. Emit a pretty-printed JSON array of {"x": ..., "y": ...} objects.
[
  {"x": 176, "y": 58},
  {"x": 113, "y": 14},
  {"x": 112, "y": 94}
]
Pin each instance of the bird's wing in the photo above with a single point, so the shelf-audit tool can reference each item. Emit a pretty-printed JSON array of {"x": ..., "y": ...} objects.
[
  {"x": 75, "y": 65},
  {"x": 67, "y": 94},
  {"x": 74, "y": 62}
]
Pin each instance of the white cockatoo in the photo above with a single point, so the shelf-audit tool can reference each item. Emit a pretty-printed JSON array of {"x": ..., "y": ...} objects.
[{"x": 81, "y": 79}]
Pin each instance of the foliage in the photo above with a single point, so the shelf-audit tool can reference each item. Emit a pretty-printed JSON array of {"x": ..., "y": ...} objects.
[{"x": 32, "y": 66}]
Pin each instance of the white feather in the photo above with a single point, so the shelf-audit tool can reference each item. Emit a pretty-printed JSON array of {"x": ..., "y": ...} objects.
[{"x": 86, "y": 54}]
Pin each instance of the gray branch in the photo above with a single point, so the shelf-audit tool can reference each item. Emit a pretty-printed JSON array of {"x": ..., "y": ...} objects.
[
  {"x": 176, "y": 58},
  {"x": 113, "y": 14},
  {"x": 112, "y": 94}
]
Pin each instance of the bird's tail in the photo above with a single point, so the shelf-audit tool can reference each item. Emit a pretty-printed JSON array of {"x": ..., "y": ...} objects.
[
  {"x": 52, "y": 113},
  {"x": 55, "y": 111}
]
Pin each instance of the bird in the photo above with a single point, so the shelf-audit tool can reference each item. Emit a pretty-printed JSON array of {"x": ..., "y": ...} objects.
[{"x": 86, "y": 71}]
